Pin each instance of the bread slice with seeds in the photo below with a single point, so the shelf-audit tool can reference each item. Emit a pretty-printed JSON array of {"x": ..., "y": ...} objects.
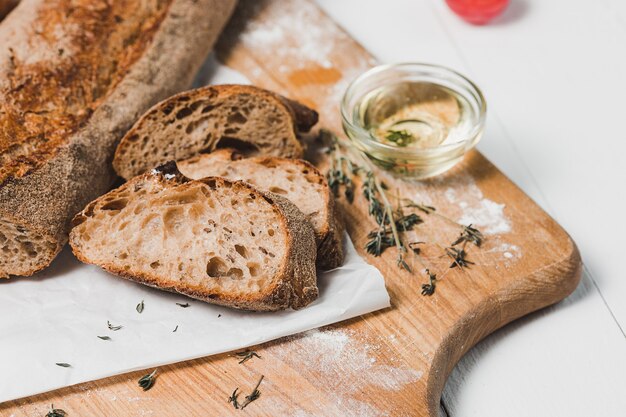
[
  {"x": 200, "y": 120},
  {"x": 214, "y": 239},
  {"x": 294, "y": 179}
]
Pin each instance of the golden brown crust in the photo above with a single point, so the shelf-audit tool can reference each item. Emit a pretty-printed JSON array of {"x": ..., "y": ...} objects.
[
  {"x": 45, "y": 101},
  {"x": 295, "y": 285},
  {"x": 78, "y": 169}
]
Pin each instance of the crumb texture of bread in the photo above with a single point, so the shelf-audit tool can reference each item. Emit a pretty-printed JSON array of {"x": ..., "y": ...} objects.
[
  {"x": 196, "y": 121},
  {"x": 23, "y": 250},
  {"x": 215, "y": 240},
  {"x": 295, "y": 179},
  {"x": 74, "y": 77}
]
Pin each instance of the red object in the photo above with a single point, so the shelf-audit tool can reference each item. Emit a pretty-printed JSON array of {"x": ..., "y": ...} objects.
[{"x": 477, "y": 12}]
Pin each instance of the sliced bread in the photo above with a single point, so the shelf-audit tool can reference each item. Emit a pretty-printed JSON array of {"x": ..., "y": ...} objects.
[
  {"x": 294, "y": 179},
  {"x": 74, "y": 77},
  {"x": 216, "y": 240},
  {"x": 199, "y": 120}
]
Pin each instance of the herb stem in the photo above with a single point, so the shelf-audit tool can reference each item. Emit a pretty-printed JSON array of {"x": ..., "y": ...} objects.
[{"x": 383, "y": 196}]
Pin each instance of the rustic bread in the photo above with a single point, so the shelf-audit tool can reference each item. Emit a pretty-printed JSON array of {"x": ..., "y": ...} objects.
[
  {"x": 216, "y": 240},
  {"x": 295, "y": 179},
  {"x": 74, "y": 76},
  {"x": 200, "y": 120}
]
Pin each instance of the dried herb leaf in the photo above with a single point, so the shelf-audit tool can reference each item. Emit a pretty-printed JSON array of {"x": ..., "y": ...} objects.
[
  {"x": 429, "y": 289},
  {"x": 140, "y": 307},
  {"x": 63, "y": 364},
  {"x": 104, "y": 337},
  {"x": 56, "y": 412},
  {"x": 233, "y": 399},
  {"x": 254, "y": 395},
  {"x": 147, "y": 381},
  {"x": 183, "y": 305},
  {"x": 458, "y": 258},
  {"x": 400, "y": 138},
  {"x": 247, "y": 355},
  {"x": 470, "y": 235},
  {"x": 402, "y": 264},
  {"x": 112, "y": 327},
  {"x": 414, "y": 246},
  {"x": 379, "y": 241},
  {"x": 406, "y": 223}
]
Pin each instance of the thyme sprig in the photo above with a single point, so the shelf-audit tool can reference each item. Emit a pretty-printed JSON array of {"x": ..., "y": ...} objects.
[
  {"x": 246, "y": 355},
  {"x": 469, "y": 235},
  {"x": 458, "y": 257},
  {"x": 147, "y": 381},
  {"x": 255, "y": 394},
  {"x": 392, "y": 224},
  {"x": 56, "y": 412},
  {"x": 233, "y": 399}
]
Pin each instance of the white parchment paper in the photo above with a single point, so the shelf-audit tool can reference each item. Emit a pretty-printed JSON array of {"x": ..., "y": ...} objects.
[{"x": 57, "y": 316}]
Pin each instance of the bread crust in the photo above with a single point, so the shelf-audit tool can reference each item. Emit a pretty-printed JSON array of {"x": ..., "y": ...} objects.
[
  {"x": 301, "y": 117},
  {"x": 6, "y": 6},
  {"x": 44, "y": 199},
  {"x": 295, "y": 285}
]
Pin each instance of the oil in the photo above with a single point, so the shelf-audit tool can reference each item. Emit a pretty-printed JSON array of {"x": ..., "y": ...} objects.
[{"x": 416, "y": 114}]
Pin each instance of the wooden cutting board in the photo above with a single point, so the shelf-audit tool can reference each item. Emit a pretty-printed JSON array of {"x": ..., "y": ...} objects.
[{"x": 393, "y": 362}]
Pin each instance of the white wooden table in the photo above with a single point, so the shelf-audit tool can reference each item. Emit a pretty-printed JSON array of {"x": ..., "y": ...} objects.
[{"x": 554, "y": 74}]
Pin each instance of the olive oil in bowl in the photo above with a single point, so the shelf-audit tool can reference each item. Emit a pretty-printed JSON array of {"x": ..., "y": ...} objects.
[{"x": 415, "y": 120}]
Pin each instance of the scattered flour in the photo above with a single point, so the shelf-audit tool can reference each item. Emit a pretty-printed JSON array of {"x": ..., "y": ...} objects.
[
  {"x": 272, "y": 35},
  {"x": 300, "y": 37},
  {"x": 345, "y": 367},
  {"x": 508, "y": 251},
  {"x": 486, "y": 214}
]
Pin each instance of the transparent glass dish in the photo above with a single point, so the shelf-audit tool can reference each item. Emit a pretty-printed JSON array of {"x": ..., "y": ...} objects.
[{"x": 387, "y": 87}]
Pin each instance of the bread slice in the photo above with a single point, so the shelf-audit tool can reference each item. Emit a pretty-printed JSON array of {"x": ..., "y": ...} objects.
[
  {"x": 216, "y": 240},
  {"x": 200, "y": 120},
  {"x": 295, "y": 179},
  {"x": 74, "y": 77}
]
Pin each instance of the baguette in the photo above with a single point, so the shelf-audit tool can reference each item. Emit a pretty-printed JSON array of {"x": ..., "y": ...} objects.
[
  {"x": 74, "y": 76},
  {"x": 200, "y": 120},
  {"x": 294, "y": 179},
  {"x": 215, "y": 240}
]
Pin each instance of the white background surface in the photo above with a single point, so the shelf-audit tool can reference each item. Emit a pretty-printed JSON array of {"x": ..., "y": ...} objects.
[{"x": 554, "y": 74}]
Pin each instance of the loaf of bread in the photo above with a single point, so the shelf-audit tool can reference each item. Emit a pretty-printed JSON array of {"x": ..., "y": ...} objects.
[
  {"x": 196, "y": 121},
  {"x": 216, "y": 240},
  {"x": 295, "y": 179},
  {"x": 74, "y": 76}
]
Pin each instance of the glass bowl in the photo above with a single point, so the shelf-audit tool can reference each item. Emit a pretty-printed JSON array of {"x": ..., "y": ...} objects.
[{"x": 387, "y": 88}]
